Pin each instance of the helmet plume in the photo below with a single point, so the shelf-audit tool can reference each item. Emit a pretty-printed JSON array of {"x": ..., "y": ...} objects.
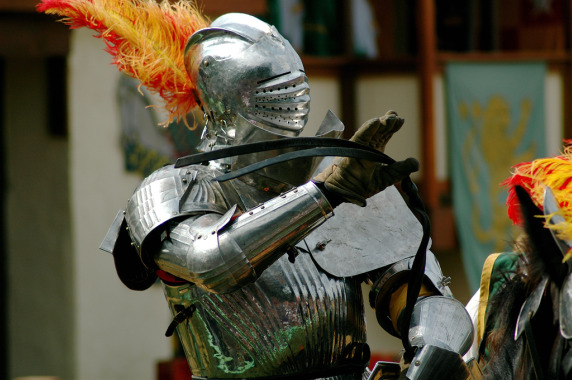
[
  {"x": 534, "y": 176},
  {"x": 145, "y": 38}
]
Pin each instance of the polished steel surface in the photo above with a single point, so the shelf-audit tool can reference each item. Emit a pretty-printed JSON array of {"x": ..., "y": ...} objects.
[
  {"x": 293, "y": 319},
  {"x": 292, "y": 215},
  {"x": 221, "y": 258},
  {"x": 287, "y": 174},
  {"x": 252, "y": 87},
  {"x": 565, "y": 308},
  {"x": 243, "y": 66},
  {"x": 432, "y": 362},
  {"x": 158, "y": 199},
  {"x": 108, "y": 243},
  {"x": 551, "y": 209},
  {"x": 396, "y": 275},
  {"x": 530, "y": 306},
  {"x": 258, "y": 312},
  {"x": 442, "y": 322},
  {"x": 385, "y": 371},
  {"x": 192, "y": 252}
]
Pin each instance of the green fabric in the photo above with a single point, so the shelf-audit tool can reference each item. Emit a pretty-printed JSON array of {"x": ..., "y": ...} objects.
[
  {"x": 496, "y": 119},
  {"x": 504, "y": 269},
  {"x": 322, "y": 27}
]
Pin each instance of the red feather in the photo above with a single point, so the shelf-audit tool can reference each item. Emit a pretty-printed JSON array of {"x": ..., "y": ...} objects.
[{"x": 146, "y": 39}]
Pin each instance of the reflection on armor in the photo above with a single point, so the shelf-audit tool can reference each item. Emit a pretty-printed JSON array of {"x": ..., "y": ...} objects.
[
  {"x": 293, "y": 320},
  {"x": 453, "y": 332},
  {"x": 221, "y": 258},
  {"x": 395, "y": 276},
  {"x": 243, "y": 66},
  {"x": 249, "y": 298},
  {"x": 158, "y": 199}
]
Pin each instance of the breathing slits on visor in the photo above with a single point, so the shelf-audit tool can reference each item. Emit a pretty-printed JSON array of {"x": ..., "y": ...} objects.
[
  {"x": 283, "y": 100},
  {"x": 281, "y": 93}
]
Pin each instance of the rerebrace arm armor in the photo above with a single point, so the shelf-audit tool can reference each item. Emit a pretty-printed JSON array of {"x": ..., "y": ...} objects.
[{"x": 206, "y": 240}]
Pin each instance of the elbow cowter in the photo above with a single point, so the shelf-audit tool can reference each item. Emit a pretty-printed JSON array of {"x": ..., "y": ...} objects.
[
  {"x": 197, "y": 253},
  {"x": 220, "y": 255}
]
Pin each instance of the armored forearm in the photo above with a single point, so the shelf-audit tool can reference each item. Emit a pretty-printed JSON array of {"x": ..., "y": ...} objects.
[{"x": 221, "y": 254}]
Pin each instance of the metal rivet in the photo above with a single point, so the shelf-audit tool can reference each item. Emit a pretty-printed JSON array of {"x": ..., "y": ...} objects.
[
  {"x": 321, "y": 245},
  {"x": 417, "y": 362},
  {"x": 205, "y": 62}
]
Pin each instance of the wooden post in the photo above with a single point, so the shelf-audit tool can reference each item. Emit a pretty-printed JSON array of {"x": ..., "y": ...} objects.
[
  {"x": 426, "y": 66},
  {"x": 567, "y": 74},
  {"x": 347, "y": 76}
]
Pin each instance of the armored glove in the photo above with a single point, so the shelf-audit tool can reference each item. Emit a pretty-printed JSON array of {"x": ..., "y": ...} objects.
[{"x": 355, "y": 180}]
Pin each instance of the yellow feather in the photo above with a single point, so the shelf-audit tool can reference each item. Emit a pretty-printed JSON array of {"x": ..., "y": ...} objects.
[
  {"x": 147, "y": 41},
  {"x": 555, "y": 173}
]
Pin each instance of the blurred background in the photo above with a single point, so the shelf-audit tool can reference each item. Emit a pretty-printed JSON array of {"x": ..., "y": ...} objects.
[{"x": 482, "y": 84}]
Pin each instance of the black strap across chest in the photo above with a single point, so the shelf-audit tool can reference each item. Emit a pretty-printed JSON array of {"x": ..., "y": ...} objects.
[{"x": 320, "y": 146}]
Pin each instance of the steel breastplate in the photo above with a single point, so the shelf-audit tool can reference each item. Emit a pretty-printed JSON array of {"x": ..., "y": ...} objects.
[{"x": 294, "y": 319}]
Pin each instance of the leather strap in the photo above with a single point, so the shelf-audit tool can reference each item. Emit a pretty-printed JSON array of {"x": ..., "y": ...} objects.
[
  {"x": 295, "y": 142},
  {"x": 318, "y": 146},
  {"x": 418, "y": 267},
  {"x": 311, "y": 152},
  {"x": 531, "y": 344}
]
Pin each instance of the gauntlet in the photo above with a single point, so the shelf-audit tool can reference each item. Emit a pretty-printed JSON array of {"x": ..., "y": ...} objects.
[{"x": 355, "y": 180}]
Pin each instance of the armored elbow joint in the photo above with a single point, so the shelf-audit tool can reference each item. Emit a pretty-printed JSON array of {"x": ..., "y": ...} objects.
[{"x": 388, "y": 294}]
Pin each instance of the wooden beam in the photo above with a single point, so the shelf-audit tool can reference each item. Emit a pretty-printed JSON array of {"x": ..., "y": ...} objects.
[
  {"x": 568, "y": 71},
  {"x": 32, "y": 34},
  {"x": 347, "y": 78},
  {"x": 556, "y": 57},
  {"x": 348, "y": 98},
  {"x": 214, "y": 8},
  {"x": 432, "y": 191},
  {"x": 427, "y": 63},
  {"x": 18, "y": 5}
]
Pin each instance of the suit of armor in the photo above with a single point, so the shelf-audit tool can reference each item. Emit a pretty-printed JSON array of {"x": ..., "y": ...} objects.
[{"x": 246, "y": 303}]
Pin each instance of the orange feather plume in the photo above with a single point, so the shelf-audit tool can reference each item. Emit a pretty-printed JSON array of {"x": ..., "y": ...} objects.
[
  {"x": 553, "y": 172},
  {"x": 146, "y": 39}
]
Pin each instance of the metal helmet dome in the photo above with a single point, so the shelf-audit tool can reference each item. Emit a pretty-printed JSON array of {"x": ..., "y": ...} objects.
[{"x": 250, "y": 81}]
